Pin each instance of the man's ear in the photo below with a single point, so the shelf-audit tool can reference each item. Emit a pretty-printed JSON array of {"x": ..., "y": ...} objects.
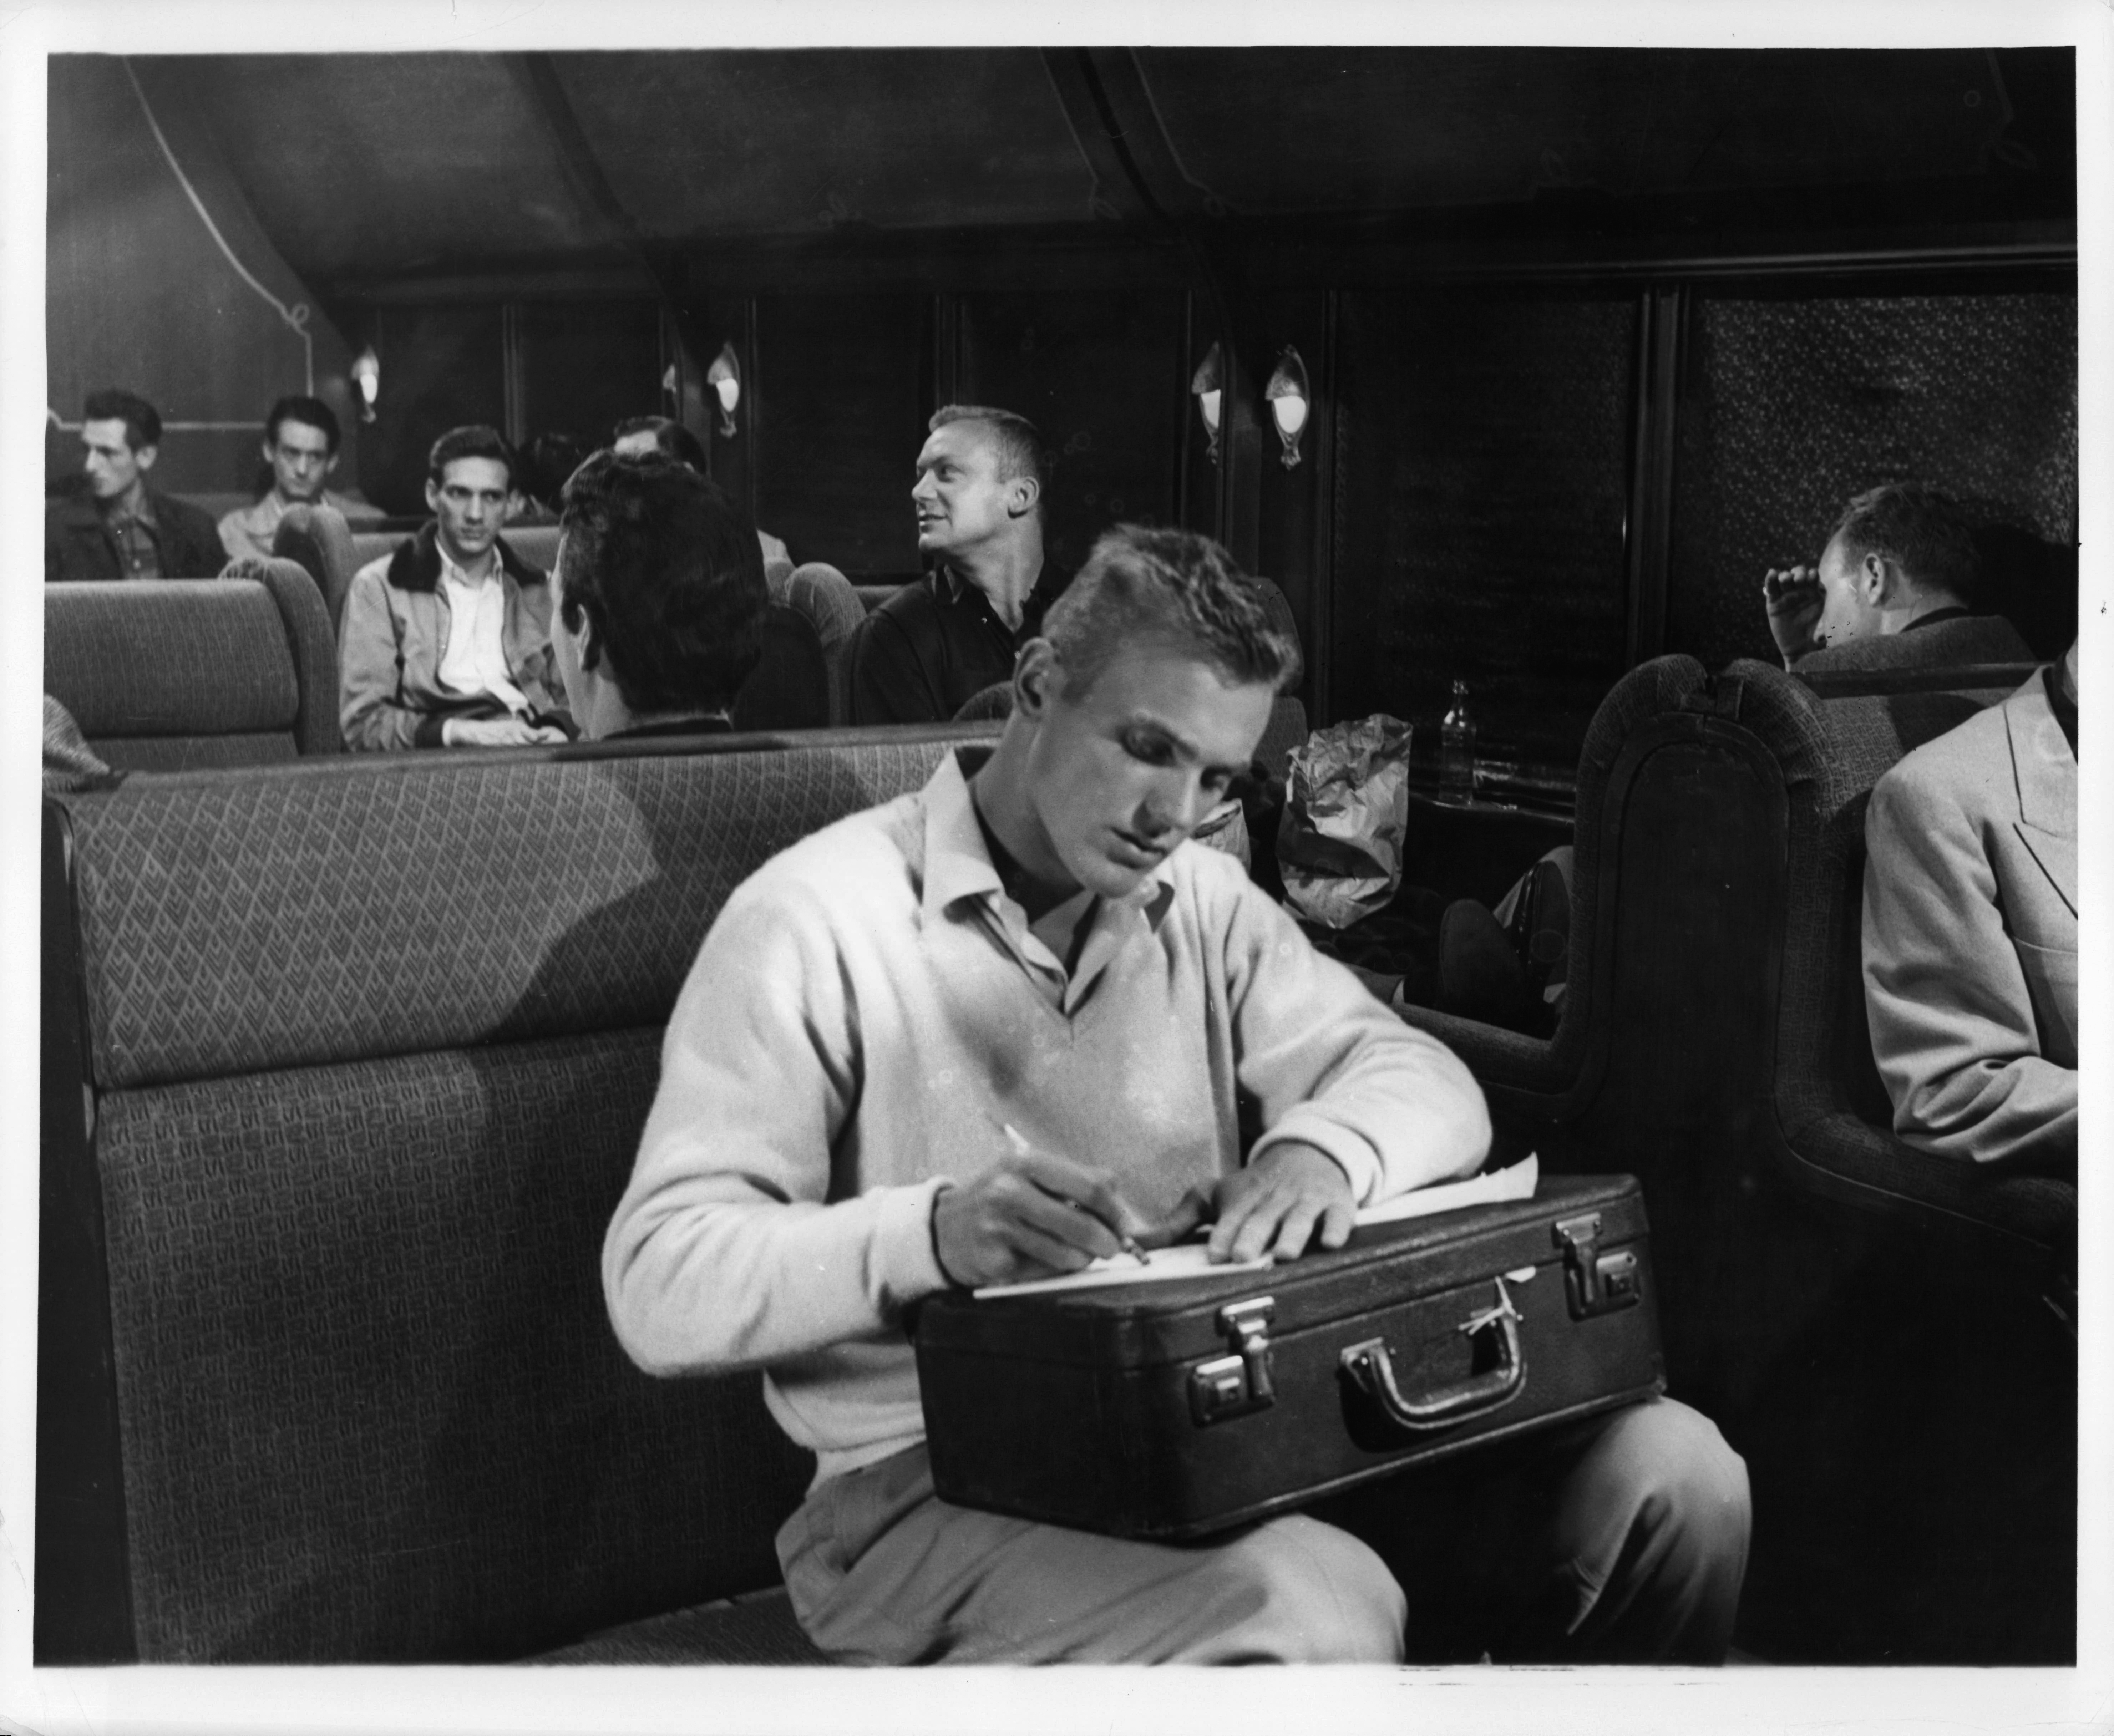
[
  {"x": 1021, "y": 495},
  {"x": 432, "y": 496},
  {"x": 330, "y": 463},
  {"x": 1038, "y": 678},
  {"x": 145, "y": 456},
  {"x": 1876, "y": 578}
]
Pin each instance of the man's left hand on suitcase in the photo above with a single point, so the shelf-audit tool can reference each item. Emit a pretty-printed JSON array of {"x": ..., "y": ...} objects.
[{"x": 1291, "y": 1193}]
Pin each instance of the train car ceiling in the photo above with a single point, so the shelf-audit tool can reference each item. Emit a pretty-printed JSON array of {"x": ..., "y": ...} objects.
[{"x": 369, "y": 170}]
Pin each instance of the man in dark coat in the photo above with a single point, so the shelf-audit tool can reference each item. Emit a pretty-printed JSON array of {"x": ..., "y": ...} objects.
[
  {"x": 938, "y": 642},
  {"x": 119, "y": 528}
]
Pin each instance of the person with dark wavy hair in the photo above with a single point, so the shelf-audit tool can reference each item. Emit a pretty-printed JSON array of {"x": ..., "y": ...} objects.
[
  {"x": 300, "y": 450},
  {"x": 115, "y": 525},
  {"x": 660, "y": 598},
  {"x": 446, "y": 640},
  {"x": 1901, "y": 561}
]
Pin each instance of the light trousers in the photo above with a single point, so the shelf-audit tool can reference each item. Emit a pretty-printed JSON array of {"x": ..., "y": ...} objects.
[{"x": 1621, "y": 1538}]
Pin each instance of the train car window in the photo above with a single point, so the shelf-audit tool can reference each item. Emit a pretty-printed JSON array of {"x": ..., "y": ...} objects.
[
  {"x": 1484, "y": 469},
  {"x": 1792, "y": 406}
]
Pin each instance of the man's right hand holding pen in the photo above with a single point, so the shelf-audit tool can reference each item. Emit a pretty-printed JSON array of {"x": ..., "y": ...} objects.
[{"x": 1032, "y": 1214}]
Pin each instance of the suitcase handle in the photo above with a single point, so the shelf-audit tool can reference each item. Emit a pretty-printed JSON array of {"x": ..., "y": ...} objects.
[{"x": 1370, "y": 1366}]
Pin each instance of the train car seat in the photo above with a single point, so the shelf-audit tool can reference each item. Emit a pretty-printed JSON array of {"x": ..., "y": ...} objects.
[
  {"x": 1903, "y": 1379},
  {"x": 317, "y": 539},
  {"x": 344, "y": 1065},
  {"x": 168, "y": 675}
]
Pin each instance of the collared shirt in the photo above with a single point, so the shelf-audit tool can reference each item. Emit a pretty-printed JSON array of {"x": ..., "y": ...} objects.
[
  {"x": 138, "y": 537},
  {"x": 473, "y": 660},
  {"x": 865, "y": 1015},
  {"x": 923, "y": 654},
  {"x": 960, "y": 874},
  {"x": 248, "y": 530}
]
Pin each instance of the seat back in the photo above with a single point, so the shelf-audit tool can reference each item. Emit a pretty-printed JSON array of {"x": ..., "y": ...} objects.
[
  {"x": 315, "y": 538},
  {"x": 170, "y": 674},
  {"x": 790, "y": 688},
  {"x": 1831, "y": 1133},
  {"x": 368, "y": 1044}
]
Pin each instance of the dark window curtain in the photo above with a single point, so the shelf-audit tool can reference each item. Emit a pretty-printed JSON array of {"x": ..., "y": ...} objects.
[
  {"x": 1482, "y": 482},
  {"x": 1791, "y": 406},
  {"x": 835, "y": 418},
  {"x": 1101, "y": 375}
]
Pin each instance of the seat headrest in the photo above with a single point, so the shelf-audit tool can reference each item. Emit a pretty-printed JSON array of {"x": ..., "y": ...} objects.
[
  {"x": 351, "y": 907},
  {"x": 159, "y": 657}
]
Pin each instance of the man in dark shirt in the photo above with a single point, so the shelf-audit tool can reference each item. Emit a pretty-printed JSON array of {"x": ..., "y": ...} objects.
[
  {"x": 120, "y": 527},
  {"x": 658, "y": 598},
  {"x": 935, "y": 643}
]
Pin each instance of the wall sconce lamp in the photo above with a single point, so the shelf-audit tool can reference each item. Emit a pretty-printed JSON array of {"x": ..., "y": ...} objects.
[
  {"x": 1205, "y": 386},
  {"x": 367, "y": 378},
  {"x": 724, "y": 376},
  {"x": 1288, "y": 399}
]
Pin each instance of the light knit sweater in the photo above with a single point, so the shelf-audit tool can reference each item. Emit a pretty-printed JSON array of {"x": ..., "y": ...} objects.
[{"x": 866, "y": 1010}]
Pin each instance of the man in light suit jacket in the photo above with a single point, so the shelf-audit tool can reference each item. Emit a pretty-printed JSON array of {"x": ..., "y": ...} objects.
[{"x": 1970, "y": 931}]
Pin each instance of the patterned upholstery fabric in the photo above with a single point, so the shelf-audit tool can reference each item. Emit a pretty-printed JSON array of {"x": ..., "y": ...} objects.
[
  {"x": 789, "y": 687},
  {"x": 313, "y": 642},
  {"x": 758, "y": 1629},
  {"x": 136, "y": 657},
  {"x": 317, "y": 539},
  {"x": 1506, "y": 1059},
  {"x": 370, "y": 1405},
  {"x": 197, "y": 665},
  {"x": 197, "y": 752},
  {"x": 1831, "y": 1108},
  {"x": 536, "y": 544},
  {"x": 343, "y": 909}
]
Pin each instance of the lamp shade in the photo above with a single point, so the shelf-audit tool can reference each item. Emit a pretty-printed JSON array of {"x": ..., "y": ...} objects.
[
  {"x": 724, "y": 376},
  {"x": 1289, "y": 400},
  {"x": 367, "y": 380},
  {"x": 1206, "y": 386}
]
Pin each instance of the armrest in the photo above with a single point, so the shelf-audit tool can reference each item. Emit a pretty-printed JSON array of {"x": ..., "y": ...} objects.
[
  {"x": 1842, "y": 1156},
  {"x": 1522, "y": 1073}
]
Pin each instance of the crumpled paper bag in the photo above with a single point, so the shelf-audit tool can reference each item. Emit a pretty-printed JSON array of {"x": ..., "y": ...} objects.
[{"x": 1346, "y": 810}]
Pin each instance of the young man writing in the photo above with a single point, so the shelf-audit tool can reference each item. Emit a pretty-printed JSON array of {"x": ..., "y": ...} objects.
[{"x": 1026, "y": 944}]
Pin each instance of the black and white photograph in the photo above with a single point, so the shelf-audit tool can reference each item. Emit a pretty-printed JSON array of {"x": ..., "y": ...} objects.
[{"x": 1154, "y": 836}]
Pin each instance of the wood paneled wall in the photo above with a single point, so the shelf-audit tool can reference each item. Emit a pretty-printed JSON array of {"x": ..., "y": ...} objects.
[
  {"x": 139, "y": 295},
  {"x": 1526, "y": 487}
]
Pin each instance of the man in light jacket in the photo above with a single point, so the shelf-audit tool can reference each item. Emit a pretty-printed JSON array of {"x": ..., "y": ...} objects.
[{"x": 446, "y": 642}]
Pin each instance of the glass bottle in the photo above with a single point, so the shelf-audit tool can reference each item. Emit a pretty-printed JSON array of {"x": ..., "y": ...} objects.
[{"x": 1457, "y": 748}]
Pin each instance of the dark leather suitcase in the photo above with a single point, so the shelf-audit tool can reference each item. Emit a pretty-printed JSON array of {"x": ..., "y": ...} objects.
[{"x": 1173, "y": 1409}]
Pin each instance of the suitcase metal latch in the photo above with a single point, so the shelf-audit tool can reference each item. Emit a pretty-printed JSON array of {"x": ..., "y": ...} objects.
[
  {"x": 1233, "y": 1385},
  {"x": 1595, "y": 1283}
]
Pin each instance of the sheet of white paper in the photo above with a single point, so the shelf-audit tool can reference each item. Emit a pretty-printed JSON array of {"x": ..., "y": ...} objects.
[
  {"x": 1184, "y": 1260},
  {"x": 1514, "y": 1182},
  {"x": 1188, "y": 1260}
]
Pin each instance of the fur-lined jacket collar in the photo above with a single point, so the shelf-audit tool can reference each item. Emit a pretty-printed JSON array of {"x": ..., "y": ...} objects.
[{"x": 416, "y": 564}]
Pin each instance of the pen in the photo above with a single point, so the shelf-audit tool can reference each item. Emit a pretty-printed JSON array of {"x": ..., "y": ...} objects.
[{"x": 1018, "y": 1141}]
